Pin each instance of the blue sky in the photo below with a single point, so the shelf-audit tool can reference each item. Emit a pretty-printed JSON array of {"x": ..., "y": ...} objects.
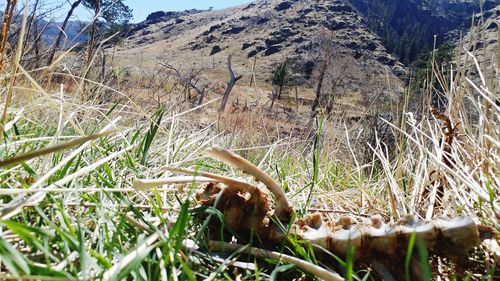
[{"x": 142, "y": 8}]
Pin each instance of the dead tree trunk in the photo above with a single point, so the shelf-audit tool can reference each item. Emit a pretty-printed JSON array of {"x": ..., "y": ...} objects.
[
  {"x": 201, "y": 96},
  {"x": 201, "y": 91},
  {"x": 103, "y": 66},
  {"x": 91, "y": 45},
  {"x": 61, "y": 32},
  {"x": 333, "y": 90},
  {"x": 230, "y": 85},
  {"x": 37, "y": 46},
  {"x": 252, "y": 81},
  {"x": 273, "y": 98}
]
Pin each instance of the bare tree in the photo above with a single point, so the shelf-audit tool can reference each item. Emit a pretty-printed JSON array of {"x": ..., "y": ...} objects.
[
  {"x": 338, "y": 72},
  {"x": 319, "y": 87},
  {"x": 175, "y": 79},
  {"x": 230, "y": 84},
  {"x": 34, "y": 50},
  {"x": 339, "y": 77},
  {"x": 32, "y": 19}
]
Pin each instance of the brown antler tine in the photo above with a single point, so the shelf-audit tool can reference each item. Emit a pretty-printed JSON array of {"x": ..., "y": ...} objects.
[{"x": 284, "y": 209}]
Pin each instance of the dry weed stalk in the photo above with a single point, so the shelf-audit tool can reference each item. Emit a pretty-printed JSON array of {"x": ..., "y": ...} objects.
[
  {"x": 53, "y": 148},
  {"x": 16, "y": 61},
  {"x": 438, "y": 180},
  {"x": 4, "y": 35}
]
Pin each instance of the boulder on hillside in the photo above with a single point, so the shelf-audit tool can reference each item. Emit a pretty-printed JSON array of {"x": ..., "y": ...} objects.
[
  {"x": 234, "y": 30},
  {"x": 283, "y": 6},
  {"x": 215, "y": 49},
  {"x": 272, "y": 50}
]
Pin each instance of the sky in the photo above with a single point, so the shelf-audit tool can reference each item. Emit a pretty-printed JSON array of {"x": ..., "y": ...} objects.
[{"x": 142, "y": 8}]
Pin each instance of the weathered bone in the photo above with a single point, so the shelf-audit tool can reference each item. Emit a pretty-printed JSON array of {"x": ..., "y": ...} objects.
[
  {"x": 248, "y": 216},
  {"x": 389, "y": 239},
  {"x": 218, "y": 178},
  {"x": 373, "y": 235},
  {"x": 284, "y": 209},
  {"x": 148, "y": 184},
  {"x": 317, "y": 271}
]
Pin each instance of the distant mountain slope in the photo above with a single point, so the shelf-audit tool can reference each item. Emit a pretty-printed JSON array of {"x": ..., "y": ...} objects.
[
  {"x": 366, "y": 38},
  {"x": 483, "y": 42},
  {"x": 73, "y": 33},
  {"x": 271, "y": 31},
  {"x": 73, "y": 30},
  {"x": 407, "y": 26}
]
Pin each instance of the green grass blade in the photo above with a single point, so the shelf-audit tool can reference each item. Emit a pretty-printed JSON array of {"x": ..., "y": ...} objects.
[
  {"x": 409, "y": 254},
  {"x": 13, "y": 260},
  {"x": 150, "y": 135}
]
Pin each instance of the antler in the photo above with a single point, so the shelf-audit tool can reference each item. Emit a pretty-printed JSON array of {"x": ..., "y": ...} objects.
[{"x": 284, "y": 209}]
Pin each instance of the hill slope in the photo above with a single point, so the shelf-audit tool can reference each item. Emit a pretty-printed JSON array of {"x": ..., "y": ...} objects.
[
  {"x": 361, "y": 39},
  {"x": 271, "y": 31}
]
